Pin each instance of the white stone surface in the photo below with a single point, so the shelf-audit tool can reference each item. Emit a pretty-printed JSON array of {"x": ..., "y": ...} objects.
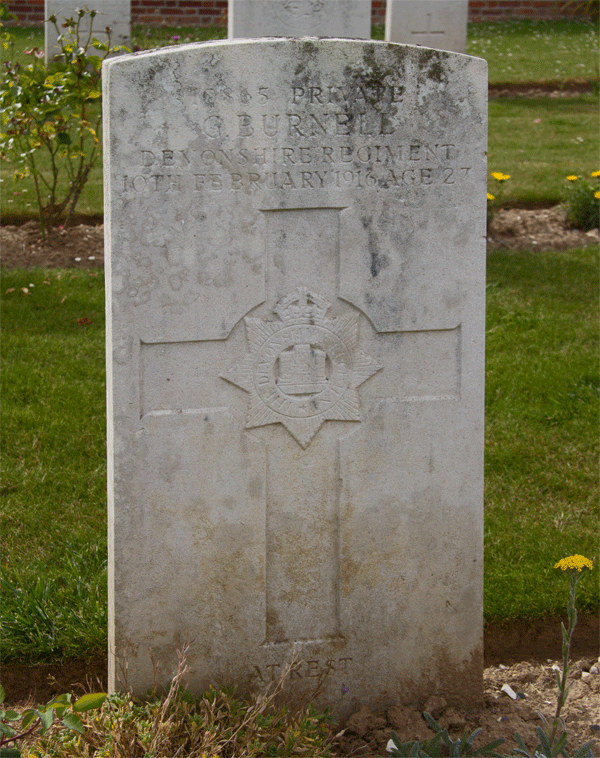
[
  {"x": 441, "y": 24},
  {"x": 298, "y": 18},
  {"x": 115, "y": 14},
  {"x": 295, "y": 246}
]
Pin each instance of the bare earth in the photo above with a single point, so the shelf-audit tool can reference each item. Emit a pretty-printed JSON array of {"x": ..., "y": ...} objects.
[
  {"x": 82, "y": 246},
  {"x": 367, "y": 733},
  {"x": 515, "y": 655}
]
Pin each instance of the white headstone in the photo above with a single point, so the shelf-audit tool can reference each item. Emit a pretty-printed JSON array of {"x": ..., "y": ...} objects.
[
  {"x": 115, "y": 14},
  {"x": 299, "y": 18},
  {"x": 441, "y": 24},
  {"x": 295, "y": 241}
]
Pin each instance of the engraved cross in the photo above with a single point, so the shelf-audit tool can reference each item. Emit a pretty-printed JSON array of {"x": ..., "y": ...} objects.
[
  {"x": 428, "y": 32},
  {"x": 299, "y": 365}
]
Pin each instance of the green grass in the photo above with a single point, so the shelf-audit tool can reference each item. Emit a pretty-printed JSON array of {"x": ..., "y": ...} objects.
[
  {"x": 541, "y": 428},
  {"x": 539, "y": 142},
  {"x": 542, "y": 380},
  {"x": 54, "y": 463},
  {"x": 541, "y": 443},
  {"x": 145, "y": 37},
  {"x": 536, "y": 50}
]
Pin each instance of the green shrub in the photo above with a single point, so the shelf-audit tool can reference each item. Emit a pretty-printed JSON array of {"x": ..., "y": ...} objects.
[
  {"x": 60, "y": 712},
  {"x": 54, "y": 111},
  {"x": 583, "y": 201}
]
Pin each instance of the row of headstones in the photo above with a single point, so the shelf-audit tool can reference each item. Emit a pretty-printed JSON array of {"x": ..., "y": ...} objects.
[{"x": 441, "y": 24}]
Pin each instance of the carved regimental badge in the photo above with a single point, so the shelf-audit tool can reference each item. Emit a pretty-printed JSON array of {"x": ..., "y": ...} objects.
[
  {"x": 303, "y": 369},
  {"x": 300, "y": 13}
]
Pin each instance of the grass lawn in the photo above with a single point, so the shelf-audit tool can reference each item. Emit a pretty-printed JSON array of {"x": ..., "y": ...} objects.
[
  {"x": 536, "y": 50},
  {"x": 539, "y": 142},
  {"x": 541, "y": 447},
  {"x": 516, "y": 51},
  {"x": 541, "y": 427},
  {"x": 54, "y": 464}
]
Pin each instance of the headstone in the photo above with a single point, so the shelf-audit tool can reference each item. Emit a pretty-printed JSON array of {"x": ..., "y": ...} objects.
[
  {"x": 295, "y": 241},
  {"x": 115, "y": 14},
  {"x": 299, "y": 18},
  {"x": 441, "y": 24}
]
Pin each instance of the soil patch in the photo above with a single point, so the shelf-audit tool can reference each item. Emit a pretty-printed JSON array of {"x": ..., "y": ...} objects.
[
  {"x": 572, "y": 88},
  {"x": 520, "y": 654},
  {"x": 534, "y": 688},
  {"x": 82, "y": 245},
  {"x": 536, "y": 229}
]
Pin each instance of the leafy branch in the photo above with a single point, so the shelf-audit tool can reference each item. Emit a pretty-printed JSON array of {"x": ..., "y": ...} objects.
[{"x": 51, "y": 117}]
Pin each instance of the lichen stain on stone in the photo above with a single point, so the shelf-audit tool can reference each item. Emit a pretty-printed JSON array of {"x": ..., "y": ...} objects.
[
  {"x": 377, "y": 260},
  {"x": 379, "y": 72},
  {"x": 433, "y": 63},
  {"x": 159, "y": 76},
  {"x": 308, "y": 50}
]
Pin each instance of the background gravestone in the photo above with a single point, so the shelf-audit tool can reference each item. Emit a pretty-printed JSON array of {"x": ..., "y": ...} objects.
[
  {"x": 115, "y": 14},
  {"x": 298, "y": 18},
  {"x": 295, "y": 236},
  {"x": 441, "y": 24}
]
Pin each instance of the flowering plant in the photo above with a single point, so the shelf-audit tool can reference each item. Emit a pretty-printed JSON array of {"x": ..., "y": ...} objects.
[
  {"x": 553, "y": 744},
  {"x": 494, "y": 200},
  {"x": 582, "y": 200}
]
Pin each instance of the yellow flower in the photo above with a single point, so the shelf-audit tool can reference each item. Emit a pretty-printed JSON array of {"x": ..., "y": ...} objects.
[
  {"x": 597, "y": 195},
  {"x": 574, "y": 563},
  {"x": 572, "y": 178},
  {"x": 490, "y": 197},
  {"x": 500, "y": 177},
  {"x": 595, "y": 173}
]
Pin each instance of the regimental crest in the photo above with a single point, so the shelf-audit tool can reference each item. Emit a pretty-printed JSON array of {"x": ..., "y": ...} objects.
[
  {"x": 303, "y": 369},
  {"x": 296, "y": 13}
]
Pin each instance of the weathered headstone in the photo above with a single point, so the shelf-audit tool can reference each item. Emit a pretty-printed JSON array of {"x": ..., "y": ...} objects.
[
  {"x": 295, "y": 240},
  {"x": 115, "y": 14},
  {"x": 298, "y": 18},
  {"x": 441, "y": 24}
]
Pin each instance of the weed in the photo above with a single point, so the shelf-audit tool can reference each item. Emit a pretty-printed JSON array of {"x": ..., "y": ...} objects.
[
  {"x": 217, "y": 723},
  {"x": 495, "y": 200},
  {"x": 16, "y": 727},
  {"x": 553, "y": 743},
  {"x": 443, "y": 745}
]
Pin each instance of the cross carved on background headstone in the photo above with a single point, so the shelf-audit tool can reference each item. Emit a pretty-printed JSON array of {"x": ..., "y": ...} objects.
[{"x": 425, "y": 37}]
